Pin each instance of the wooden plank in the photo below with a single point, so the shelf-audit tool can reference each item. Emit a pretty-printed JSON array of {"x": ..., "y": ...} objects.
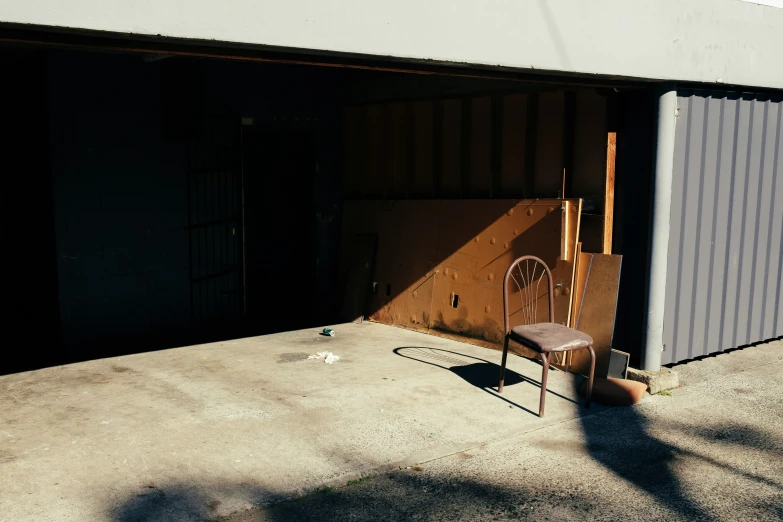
[
  {"x": 575, "y": 290},
  {"x": 580, "y": 276},
  {"x": 611, "y": 154},
  {"x": 596, "y": 314},
  {"x": 566, "y": 264}
]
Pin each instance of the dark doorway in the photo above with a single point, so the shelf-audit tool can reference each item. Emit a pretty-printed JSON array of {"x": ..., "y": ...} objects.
[
  {"x": 278, "y": 174},
  {"x": 30, "y": 286}
]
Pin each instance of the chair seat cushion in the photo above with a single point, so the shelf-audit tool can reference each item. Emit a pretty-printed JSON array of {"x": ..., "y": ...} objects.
[{"x": 550, "y": 337}]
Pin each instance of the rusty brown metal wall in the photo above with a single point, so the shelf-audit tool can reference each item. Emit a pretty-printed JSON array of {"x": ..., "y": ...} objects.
[
  {"x": 439, "y": 183},
  {"x": 440, "y": 263}
]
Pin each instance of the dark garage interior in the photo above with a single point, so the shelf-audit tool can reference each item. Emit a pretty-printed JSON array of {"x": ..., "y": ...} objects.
[{"x": 158, "y": 201}]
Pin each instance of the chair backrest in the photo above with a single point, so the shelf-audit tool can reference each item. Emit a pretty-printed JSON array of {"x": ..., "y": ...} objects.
[{"x": 526, "y": 274}]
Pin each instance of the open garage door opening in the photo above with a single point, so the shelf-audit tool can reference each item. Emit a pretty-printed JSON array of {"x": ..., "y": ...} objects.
[{"x": 183, "y": 199}]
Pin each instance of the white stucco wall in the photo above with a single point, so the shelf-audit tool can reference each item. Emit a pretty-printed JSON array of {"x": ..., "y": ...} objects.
[{"x": 730, "y": 41}]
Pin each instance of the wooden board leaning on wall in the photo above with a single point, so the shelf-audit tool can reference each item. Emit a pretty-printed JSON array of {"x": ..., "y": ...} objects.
[
  {"x": 596, "y": 288},
  {"x": 440, "y": 263}
]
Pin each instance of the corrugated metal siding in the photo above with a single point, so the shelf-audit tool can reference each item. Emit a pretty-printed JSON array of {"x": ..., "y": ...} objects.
[{"x": 725, "y": 268}]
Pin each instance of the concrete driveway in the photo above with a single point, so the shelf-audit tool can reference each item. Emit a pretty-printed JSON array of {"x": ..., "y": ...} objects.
[
  {"x": 713, "y": 450},
  {"x": 207, "y": 431}
]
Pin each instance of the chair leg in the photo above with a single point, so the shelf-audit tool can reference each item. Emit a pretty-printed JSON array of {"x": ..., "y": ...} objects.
[
  {"x": 589, "y": 393},
  {"x": 544, "y": 374},
  {"x": 503, "y": 366}
]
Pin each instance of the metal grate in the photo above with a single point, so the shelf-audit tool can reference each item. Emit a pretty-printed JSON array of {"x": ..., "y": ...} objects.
[{"x": 215, "y": 219}]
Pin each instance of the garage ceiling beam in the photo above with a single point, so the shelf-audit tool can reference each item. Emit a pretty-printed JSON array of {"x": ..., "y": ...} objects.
[{"x": 125, "y": 43}]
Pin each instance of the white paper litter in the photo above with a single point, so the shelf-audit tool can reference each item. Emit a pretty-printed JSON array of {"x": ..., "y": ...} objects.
[{"x": 328, "y": 357}]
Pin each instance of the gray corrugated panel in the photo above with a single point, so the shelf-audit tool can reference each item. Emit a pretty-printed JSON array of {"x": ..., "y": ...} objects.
[
  {"x": 723, "y": 285},
  {"x": 689, "y": 240},
  {"x": 719, "y": 241},
  {"x": 700, "y": 304},
  {"x": 671, "y": 313},
  {"x": 775, "y": 279},
  {"x": 758, "y": 311},
  {"x": 747, "y": 257}
]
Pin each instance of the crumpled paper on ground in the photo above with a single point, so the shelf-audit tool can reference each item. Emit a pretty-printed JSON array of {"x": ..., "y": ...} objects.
[{"x": 328, "y": 357}]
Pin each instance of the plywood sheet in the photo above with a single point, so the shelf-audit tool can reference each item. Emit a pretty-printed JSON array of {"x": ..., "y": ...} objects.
[
  {"x": 596, "y": 313},
  {"x": 611, "y": 154},
  {"x": 580, "y": 277}
]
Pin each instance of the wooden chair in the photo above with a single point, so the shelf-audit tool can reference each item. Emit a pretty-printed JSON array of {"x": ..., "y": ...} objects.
[{"x": 545, "y": 337}]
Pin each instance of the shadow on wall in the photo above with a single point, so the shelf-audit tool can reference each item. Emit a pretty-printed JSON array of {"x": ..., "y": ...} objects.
[{"x": 430, "y": 250}]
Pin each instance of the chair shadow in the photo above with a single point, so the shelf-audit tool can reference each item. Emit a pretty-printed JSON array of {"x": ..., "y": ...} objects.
[{"x": 482, "y": 374}]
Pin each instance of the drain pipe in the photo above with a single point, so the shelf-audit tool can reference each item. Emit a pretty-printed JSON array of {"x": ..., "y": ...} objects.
[{"x": 659, "y": 231}]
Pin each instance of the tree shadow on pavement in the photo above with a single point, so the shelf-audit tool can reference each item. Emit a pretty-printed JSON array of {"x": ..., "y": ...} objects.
[
  {"x": 405, "y": 495},
  {"x": 414, "y": 496},
  {"x": 181, "y": 502},
  {"x": 622, "y": 441}
]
